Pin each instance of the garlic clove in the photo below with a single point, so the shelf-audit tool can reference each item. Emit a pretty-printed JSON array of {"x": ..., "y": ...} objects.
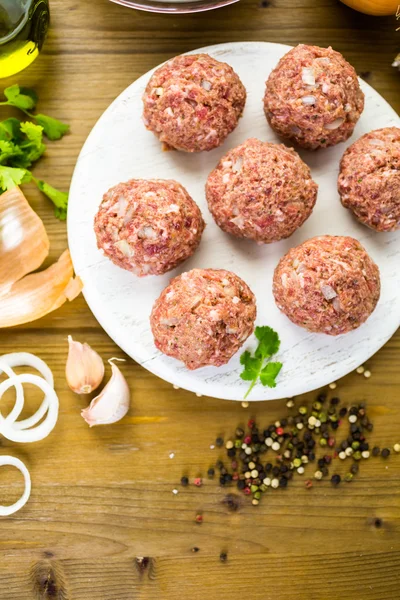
[
  {"x": 84, "y": 370},
  {"x": 113, "y": 401}
]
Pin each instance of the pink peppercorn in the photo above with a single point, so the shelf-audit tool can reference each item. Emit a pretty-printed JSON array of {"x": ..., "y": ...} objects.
[
  {"x": 247, "y": 491},
  {"x": 199, "y": 518},
  {"x": 308, "y": 483},
  {"x": 235, "y": 476},
  {"x": 247, "y": 439},
  {"x": 198, "y": 481},
  {"x": 331, "y": 442},
  {"x": 250, "y": 423},
  {"x": 279, "y": 430},
  {"x": 234, "y": 464}
]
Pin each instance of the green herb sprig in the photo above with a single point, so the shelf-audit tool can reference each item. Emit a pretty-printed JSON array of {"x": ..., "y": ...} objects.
[
  {"x": 255, "y": 367},
  {"x": 21, "y": 144}
]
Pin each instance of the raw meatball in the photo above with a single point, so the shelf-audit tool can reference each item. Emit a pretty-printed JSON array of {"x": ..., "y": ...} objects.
[
  {"x": 328, "y": 284},
  {"x": 313, "y": 97},
  {"x": 261, "y": 191},
  {"x": 193, "y": 102},
  {"x": 369, "y": 179},
  {"x": 148, "y": 226},
  {"x": 203, "y": 317}
]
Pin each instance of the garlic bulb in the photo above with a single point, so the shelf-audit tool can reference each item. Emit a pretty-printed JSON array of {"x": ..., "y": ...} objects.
[
  {"x": 84, "y": 370},
  {"x": 113, "y": 401}
]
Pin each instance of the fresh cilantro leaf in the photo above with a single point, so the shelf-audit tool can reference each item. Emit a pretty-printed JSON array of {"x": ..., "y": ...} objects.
[
  {"x": 53, "y": 128},
  {"x": 10, "y": 131},
  {"x": 8, "y": 151},
  {"x": 269, "y": 373},
  {"x": 16, "y": 97},
  {"x": 59, "y": 199},
  {"x": 251, "y": 366},
  {"x": 269, "y": 341},
  {"x": 10, "y": 177},
  {"x": 254, "y": 366},
  {"x": 33, "y": 132}
]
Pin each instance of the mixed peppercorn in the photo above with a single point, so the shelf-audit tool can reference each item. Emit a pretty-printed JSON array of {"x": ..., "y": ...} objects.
[{"x": 260, "y": 459}]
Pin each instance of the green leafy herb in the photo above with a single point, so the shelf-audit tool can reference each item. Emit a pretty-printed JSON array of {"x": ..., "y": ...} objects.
[
  {"x": 21, "y": 145},
  {"x": 59, "y": 199},
  {"x": 26, "y": 100},
  {"x": 255, "y": 367}
]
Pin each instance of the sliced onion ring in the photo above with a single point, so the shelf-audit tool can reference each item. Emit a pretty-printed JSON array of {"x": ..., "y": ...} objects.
[
  {"x": 43, "y": 429},
  {"x": 5, "y": 511},
  {"x": 23, "y": 359}
]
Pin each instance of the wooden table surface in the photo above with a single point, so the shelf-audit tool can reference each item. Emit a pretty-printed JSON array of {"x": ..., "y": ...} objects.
[{"x": 102, "y": 498}]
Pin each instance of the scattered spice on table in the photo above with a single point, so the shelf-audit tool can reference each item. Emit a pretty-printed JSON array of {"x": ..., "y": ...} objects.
[{"x": 262, "y": 459}]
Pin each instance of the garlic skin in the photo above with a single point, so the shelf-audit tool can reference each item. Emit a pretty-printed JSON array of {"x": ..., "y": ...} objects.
[
  {"x": 113, "y": 401},
  {"x": 84, "y": 370}
]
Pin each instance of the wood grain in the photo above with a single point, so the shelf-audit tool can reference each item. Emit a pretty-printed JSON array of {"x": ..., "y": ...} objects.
[{"x": 102, "y": 522}]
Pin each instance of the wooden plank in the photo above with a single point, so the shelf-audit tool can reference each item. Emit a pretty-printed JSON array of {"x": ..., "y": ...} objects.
[{"x": 102, "y": 498}]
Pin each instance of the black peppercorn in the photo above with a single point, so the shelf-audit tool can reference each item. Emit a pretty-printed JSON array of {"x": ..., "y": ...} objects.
[
  {"x": 268, "y": 467},
  {"x": 335, "y": 401},
  {"x": 283, "y": 482},
  {"x": 385, "y": 452},
  {"x": 354, "y": 469},
  {"x": 241, "y": 484},
  {"x": 222, "y": 480},
  {"x": 275, "y": 471},
  {"x": 219, "y": 442},
  {"x": 231, "y": 452},
  {"x": 376, "y": 451},
  {"x": 335, "y": 479},
  {"x": 342, "y": 412},
  {"x": 335, "y": 425},
  {"x": 223, "y": 557},
  {"x": 184, "y": 481},
  {"x": 239, "y": 432}
]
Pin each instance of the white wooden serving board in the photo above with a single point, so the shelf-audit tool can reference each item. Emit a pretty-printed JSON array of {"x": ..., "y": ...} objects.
[{"x": 119, "y": 148}]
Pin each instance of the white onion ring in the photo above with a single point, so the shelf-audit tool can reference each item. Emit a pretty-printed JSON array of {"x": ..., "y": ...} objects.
[
  {"x": 19, "y": 401},
  {"x": 15, "y": 462},
  {"x": 43, "y": 429},
  {"x": 20, "y": 359}
]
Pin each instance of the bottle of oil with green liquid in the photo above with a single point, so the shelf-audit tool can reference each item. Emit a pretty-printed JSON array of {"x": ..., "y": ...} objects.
[{"x": 23, "y": 28}]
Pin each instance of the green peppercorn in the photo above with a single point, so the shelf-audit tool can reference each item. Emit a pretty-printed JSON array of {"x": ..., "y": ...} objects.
[
  {"x": 257, "y": 495},
  {"x": 357, "y": 455},
  {"x": 333, "y": 418},
  {"x": 303, "y": 410},
  {"x": 263, "y": 487},
  {"x": 297, "y": 462},
  {"x": 348, "y": 477},
  {"x": 317, "y": 405},
  {"x": 254, "y": 488},
  {"x": 323, "y": 442},
  {"x": 290, "y": 446},
  {"x": 355, "y": 445},
  {"x": 238, "y": 443}
]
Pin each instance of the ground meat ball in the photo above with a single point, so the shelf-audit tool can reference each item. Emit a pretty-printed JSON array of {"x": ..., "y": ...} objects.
[
  {"x": 328, "y": 284},
  {"x": 148, "y": 226},
  {"x": 261, "y": 191},
  {"x": 369, "y": 179},
  {"x": 203, "y": 317},
  {"x": 193, "y": 102},
  {"x": 313, "y": 97}
]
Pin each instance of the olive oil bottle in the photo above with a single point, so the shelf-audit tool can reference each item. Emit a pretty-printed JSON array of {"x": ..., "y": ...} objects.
[{"x": 23, "y": 28}]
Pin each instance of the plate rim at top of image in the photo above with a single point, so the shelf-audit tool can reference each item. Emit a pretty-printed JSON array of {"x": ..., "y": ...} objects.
[{"x": 120, "y": 148}]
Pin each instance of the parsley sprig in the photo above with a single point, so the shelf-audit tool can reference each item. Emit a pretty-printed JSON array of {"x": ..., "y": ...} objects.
[
  {"x": 21, "y": 144},
  {"x": 255, "y": 367}
]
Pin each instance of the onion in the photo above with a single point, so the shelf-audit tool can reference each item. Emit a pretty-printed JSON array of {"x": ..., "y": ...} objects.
[
  {"x": 237, "y": 165},
  {"x": 25, "y": 359},
  {"x": 328, "y": 292},
  {"x": 206, "y": 85},
  {"x": 335, "y": 124},
  {"x": 42, "y": 430},
  {"x": 376, "y": 142},
  {"x": 308, "y": 100},
  {"x": 307, "y": 75},
  {"x": 5, "y": 511}
]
